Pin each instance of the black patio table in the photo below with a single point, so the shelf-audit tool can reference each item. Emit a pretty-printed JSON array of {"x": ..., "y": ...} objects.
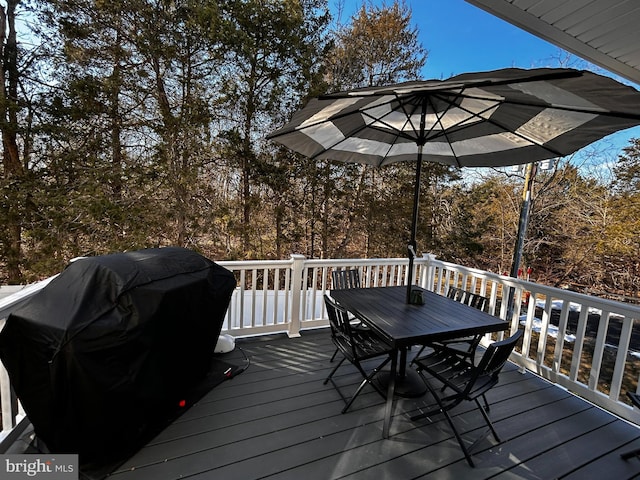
[{"x": 386, "y": 311}]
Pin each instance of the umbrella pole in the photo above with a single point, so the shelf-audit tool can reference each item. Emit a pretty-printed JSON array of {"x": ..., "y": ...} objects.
[{"x": 411, "y": 249}]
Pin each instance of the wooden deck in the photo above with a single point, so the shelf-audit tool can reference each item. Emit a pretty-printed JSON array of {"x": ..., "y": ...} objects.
[{"x": 277, "y": 420}]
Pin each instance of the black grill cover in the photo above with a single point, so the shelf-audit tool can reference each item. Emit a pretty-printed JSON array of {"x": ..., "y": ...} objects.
[{"x": 112, "y": 344}]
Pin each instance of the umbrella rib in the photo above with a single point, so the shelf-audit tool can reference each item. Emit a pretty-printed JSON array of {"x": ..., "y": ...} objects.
[
  {"x": 403, "y": 104},
  {"x": 399, "y": 133},
  {"x": 444, "y": 130},
  {"x": 460, "y": 125},
  {"x": 446, "y": 84},
  {"x": 566, "y": 108},
  {"x": 332, "y": 118},
  {"x": 351, "y": 133}
]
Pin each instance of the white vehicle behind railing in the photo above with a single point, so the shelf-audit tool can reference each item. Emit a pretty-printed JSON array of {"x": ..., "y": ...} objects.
[{"x": 583, "y": 343}]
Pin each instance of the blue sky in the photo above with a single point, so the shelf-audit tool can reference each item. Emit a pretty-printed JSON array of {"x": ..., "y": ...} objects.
[{"x": 463, "y": 38}]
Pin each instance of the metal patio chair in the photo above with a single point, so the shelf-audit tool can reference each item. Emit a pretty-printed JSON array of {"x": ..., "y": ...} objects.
[
  {"x": 464, "y": 347},
  {"x": 356, "y": 345},
  {"x": 341, "y": 280},
  {"x": 467, "y": 382}
]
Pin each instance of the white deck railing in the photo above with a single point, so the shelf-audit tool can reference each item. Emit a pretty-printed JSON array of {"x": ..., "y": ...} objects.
[{"x": 586, "y": 344}]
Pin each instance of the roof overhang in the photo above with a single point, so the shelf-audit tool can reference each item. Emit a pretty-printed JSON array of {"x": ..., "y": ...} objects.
[{"x": 603, "y": 32}]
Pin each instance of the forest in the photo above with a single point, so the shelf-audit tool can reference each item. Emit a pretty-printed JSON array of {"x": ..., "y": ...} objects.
[{"x": 143, "y": 123}]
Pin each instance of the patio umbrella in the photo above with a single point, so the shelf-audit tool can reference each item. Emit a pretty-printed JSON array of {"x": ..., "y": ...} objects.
[{"x": 497, "y": 118}]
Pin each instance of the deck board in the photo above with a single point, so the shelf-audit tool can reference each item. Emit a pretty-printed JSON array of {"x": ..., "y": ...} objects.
[{"x": 277, "y": 420}]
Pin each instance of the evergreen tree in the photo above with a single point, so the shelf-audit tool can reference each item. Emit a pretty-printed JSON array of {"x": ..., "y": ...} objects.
[
  {"x": 15, "y": 119},
  {"x": 620, "y": 240},
  {"x": 270, "y": 55},
  {"x": 378, "y": 47}
]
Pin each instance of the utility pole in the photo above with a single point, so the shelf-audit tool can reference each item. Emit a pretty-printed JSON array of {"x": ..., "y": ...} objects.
[{"x": 525, "y": 209}]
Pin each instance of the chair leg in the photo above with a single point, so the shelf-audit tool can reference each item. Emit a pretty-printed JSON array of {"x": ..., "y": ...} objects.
[
  {"x": 467, "y": 455},
  {"x": 445, "y": 412},
  {"x": 459, "y": 438},
  {"x": 488, "y": 420},
  {"x": 333, "y": 357},
  {"x": 373, "y": 373},
  {"x": 630, "y": 454},
  {"x": 335, "y": 369},
  {"x": 367, "y": 380},
  {"x": 353, "y": 397},
  {"x": 487, "y": 407},
  {"x": 417, "y": 355}
]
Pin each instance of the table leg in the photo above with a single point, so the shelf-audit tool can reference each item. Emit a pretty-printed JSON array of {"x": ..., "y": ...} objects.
[
  {"x": 388, "y": 408},
  {"x": 403, "y": 363},
  {"x": 407, "y": 383}
]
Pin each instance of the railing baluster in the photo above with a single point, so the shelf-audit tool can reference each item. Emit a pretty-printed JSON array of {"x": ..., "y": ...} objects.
[
  {"x": 562, "y": 329},
  {"x": 265, "y": 295},
  {"x": 241, "y": 295},
  {"x": 617, "y": 378},
  {"x": 598, "y": 351},
  {"x": 544, "y": 327},
  {"x": 276, "y": 295},
  {"x": 528, "y": 327},
  {"x": 579, "y": 344}
]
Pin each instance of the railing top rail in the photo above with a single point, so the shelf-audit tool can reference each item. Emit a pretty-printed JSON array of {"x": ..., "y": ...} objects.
[
  {"x": 354, "y": 262},
  {"x": 238, "y": 264},
  {"x": 314, "y": 262},
  {"x": 626, "y": 309}
]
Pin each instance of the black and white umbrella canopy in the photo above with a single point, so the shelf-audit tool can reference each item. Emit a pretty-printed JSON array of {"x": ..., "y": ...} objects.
[{"x": 497, "y": 118}]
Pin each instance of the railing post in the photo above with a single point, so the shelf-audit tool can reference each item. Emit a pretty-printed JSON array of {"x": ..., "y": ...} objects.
[
  {"x": 297, "y": 267},
  {"x": 427, "y": 279}
]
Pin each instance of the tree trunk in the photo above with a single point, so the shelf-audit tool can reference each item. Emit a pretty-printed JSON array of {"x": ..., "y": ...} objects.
[
  {"x": 13, "y": 168},
  {"x": 247, "y": 158},
  {"x": 354, "y": 211},
  {"x": 116, "y": 128}
]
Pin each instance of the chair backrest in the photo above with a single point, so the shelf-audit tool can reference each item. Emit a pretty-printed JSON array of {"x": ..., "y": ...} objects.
[
  {"x": 341, "y": 333},
  {"x": 455, "y": 293},
  {"x": 343, "y": 279},
  {"x": 476, "y": 300},
  {"x": 485, "y": 376},
  {"x": 497, "y": 354},
  {"x": 338, "y": 318}
]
